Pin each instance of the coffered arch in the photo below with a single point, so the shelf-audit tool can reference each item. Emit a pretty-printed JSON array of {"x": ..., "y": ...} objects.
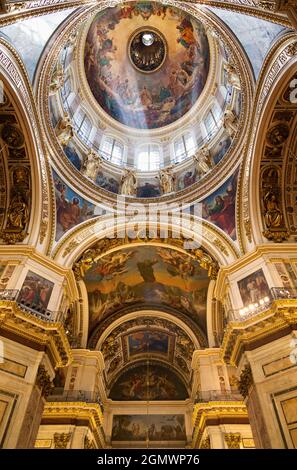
[{"x": 25, "y": 155}]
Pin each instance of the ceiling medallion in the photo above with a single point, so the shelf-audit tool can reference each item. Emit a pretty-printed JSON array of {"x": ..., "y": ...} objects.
[{"x": 147, "y": 50}]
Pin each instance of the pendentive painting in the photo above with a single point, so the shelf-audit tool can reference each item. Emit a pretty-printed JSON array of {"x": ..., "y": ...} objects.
[
  {"x": 253, "y": 288},
  {"x": 148, "y": 428},
  {"x": 147, "y": 275},
  {"x": 220, "y": 207},
  {"x": 71, "y": 209},
  {"x": 118, "y": 67},
  {"x": 36, "y": 291},
  {"x": 149, "y": 382}
]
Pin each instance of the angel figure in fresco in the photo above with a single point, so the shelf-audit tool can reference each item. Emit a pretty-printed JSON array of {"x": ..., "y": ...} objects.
[
  {"x": 129, "y": 183},
  {"x": 167, "y": 180},
  {"x": 146, "y": 97},
  {"x": 203, "y": 160},
  {"x": 91, "y": 164},
  {"x": 64, "y": 130},
  {"x": 176, "y": 263},
  {"x": 187, "y": 37},
  {"x": 113, "y": 264}
]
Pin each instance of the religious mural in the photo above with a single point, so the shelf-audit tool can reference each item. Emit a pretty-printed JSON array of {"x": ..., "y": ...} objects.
[
  {"x": 146, "y": 100},
  {"x": 36, "y": 291},
  {"x": 148, "y": 382},
  {"x": 148, "y": 342},
  {"x": 71, "y": 209},
  {"x": 220, "y": 207},
  {"x": 253, "y": 288},
  {"x": 148, "y": 427},
  {"x": 146, "y": 275},
  {"x": 221, "y": 148}
]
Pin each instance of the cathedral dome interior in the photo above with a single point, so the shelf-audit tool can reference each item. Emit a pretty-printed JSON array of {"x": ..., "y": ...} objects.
[{"x": 148, "y": 224}]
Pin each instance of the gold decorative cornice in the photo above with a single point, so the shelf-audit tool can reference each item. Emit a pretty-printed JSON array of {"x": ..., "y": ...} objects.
[
  {"x": 213, "y": 413},
  {"x": 62, "y": 412},
  {"x": 267, "y": 250},
  {"x": 34, "y": 332},
  {"x": 261, "y": 329},
  {"x": 16, "y": 252},
  {"x": 42, "y": 7},
  {"x": 43, "y": 381}
]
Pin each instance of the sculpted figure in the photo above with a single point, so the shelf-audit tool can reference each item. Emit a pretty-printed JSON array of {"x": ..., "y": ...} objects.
[
  {"x": 18, "y": 214},
  {"x": 91, "y": 165},
  {"x": 57, "y": 80},
  {"x": 64, "y": 130},
  {"x": 129, "y": 183},
  {"x": 203, "y": 160},
  {"x": 167, "y": 179},
  {"x": 230, "y": 122},
  {"x": 232, "y": 76},
  {"x": 273, "y": 216}
]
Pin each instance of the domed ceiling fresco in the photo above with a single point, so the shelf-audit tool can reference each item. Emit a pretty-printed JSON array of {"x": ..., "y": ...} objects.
[
  {"x": 146, "y": 63},
  {"x": 146, "y": 276}
]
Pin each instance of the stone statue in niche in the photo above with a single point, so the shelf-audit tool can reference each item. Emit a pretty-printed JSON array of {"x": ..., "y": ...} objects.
[
  {"x": 129, "y": 183},
  {"x": 232, "y": 76},
  {"x": 230, "y": 122},
  {"x": 18, "y": 213},
  {"x": 167, "y": 180},
  {"x": 273, "y": 216},
  {"x": 91, "y": 164},
  {"x": 203, "y": 160},
  {"x": 57, "y": 80},
  {"x": 64, "y": 130}
]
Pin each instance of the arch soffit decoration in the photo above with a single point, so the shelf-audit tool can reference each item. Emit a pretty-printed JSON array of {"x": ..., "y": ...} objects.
[
  {"x": 81, "y": 238},
  {"x": 27, "y": 10},
  {"x": 279, "y": 65},
  {"x": 113, "y": 342},
  {"x": 14, "y": 76}
]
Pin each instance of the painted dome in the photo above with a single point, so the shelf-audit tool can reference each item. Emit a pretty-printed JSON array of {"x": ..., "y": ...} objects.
[{"x": 146, "y": 63}]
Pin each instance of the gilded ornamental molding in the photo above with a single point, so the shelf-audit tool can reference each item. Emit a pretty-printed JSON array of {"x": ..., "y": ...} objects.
[
  {"x": 90, "y": 413},
  {"x": 216, "y": 412},
  {"x": 275, "y": 322},
  {"x": 35, "y": 333}
]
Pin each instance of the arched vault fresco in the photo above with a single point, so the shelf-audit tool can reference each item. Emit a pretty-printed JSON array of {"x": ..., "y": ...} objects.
[{"x": 143, "y": 277}]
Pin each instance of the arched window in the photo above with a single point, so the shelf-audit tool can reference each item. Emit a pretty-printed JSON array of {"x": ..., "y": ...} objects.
[
  {"x": 112, "y": 150},
  {"x": 211, "y": 122},
  {"x": 83, "y": 125},
  {"x": 66, "y": 89},
  {"x": 184, "y": 147},
  {"x": 149, "y": 157}
]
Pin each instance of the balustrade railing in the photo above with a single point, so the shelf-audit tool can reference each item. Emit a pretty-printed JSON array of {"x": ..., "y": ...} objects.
[
  {"x": 61, "y": 395},
  {"x": 264, "y": 303},
  {"x": 35, "y": 309},
  {"x": 217, "y": 395}
]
